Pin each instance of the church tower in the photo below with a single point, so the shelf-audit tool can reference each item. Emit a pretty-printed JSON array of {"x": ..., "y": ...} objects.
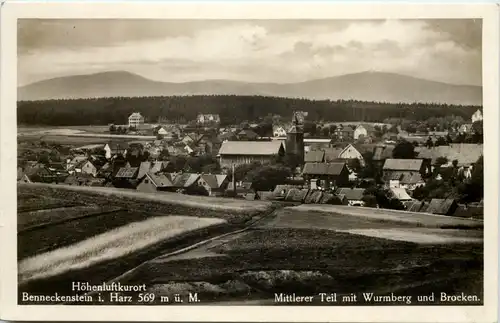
[{"x": 295, "y": 140}]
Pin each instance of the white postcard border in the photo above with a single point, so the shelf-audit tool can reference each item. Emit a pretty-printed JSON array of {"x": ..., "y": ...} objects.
[{"x": 10, "y": 12}]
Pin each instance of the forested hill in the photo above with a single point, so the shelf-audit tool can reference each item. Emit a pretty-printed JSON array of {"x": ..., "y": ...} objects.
[
  {"x": 364, "y": 86},
  {"x": 231, "y": 108}
]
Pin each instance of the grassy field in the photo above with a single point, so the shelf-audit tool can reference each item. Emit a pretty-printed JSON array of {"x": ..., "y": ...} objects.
[
  {"x": 28, "y": 221},
  {"x": 392, "y": 216},
  {"x": 234, "y": 210},
  {"x": 112, "y": 244},
  {"x": 61, "y": 245},
  {"x": 33, "y": 202},
  {"x": 259, "y": 263}
]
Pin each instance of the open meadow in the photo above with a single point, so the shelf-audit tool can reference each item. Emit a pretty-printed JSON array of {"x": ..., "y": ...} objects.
[
  {"x": 305, "y": 252},
  {"x": 91, "y": 236}
]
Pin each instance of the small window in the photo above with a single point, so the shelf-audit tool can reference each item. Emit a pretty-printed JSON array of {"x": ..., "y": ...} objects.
[{"x": 146, "y": 181}]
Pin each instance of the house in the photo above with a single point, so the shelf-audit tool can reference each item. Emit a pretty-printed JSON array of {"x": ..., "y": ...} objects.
[
  {"x": 406, "y": 180},
  {"x": 228, "y": 136},
  {"x": 328, "y": 174},
  {"x": 152, "y": 182},
  {"x": 88, "y": 168},
  {"x": 363, "y": 131},
  {"x": 354, "y": 196},
  {"x": 477, "y": 116},
  {"x": 314, "y": 197},
  {"x": 162, "y": 131},
  {"x": 247, "y": 134},
  {"x": 185, "y": 182},
  {"x": 466, "y": 155},
  {"x": 126, "y": 177},
  {"x": 314, "y": 156},
  {"x": 113, "y": 148},
  {"x": 381, "y": 153},
  {"x": 394, "y": 166},
  {"x": 279, "y": 131},
  {"x": 296, "y": 195},
  {"x": 204, "y": 119},
  {"x": 344, "y": 133},
  {"x": 71, "y": 164},
  {"x": 465, "y": 128},
  {"x": 350, "y": 153},
  {"x": 135, "y": 120},
  {"x": 442, "y": 206},
  {"x": 332, "y": 154},
  {"x": 280, "y": 191},
  {"x": 247, "y": 152},
  {"x": 214, "y": 185},
  {"x": 162, "y": 167},
  {"x": 400, "y": 194},
  {"x": 241, "y": 189}
]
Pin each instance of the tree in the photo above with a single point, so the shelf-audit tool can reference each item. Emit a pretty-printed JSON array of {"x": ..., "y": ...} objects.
[
  {"x": 267, "y": 177},
  {"x": 429, "y": 143},
  {"x": 164, "y": 155},
  {"x": 241, "y": 171},
  {"x": 178, "y": 163},
  {"x": 159, "y": 136},
  {"x": 369, "y": 200},
  {"x": 404, "y": 150},
  {"x": 441, "y": 161},
  {"x": 197, "y": 164},
  {"x": 112, "y": 128},
  {"x": 441, "y": 142}
]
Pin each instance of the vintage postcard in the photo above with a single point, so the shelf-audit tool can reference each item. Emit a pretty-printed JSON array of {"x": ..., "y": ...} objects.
[{"x": 249, "y": 162}]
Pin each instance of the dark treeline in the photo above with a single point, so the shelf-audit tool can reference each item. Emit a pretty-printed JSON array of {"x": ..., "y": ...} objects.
[{"x": 231, "y": 108}]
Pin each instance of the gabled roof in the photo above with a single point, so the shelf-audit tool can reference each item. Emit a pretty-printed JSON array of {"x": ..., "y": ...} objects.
[
  {"x": 115, "y": 146},
  {"x": 248, "y": 133},
  {"x": 465, "y": 154},
  {"x": 136, "y": 115},
  {"x": 213, "y": 181},
  {"x": 351, "y": 194},
  {"x": 160, "y": 180},
  {"x": 314, "y": 156},
  {"x": 323, "y": 168},
  {"x": 159, "y": 166},
  {"x": 296, "y": 195},
  {"x": 332, "y": 154},
  {"x": 144, "y": 168},
  {"x": 403, "y": 164},
  {"x": 382, "y": 152},
  {"x": 400, "y": 193},
  {"x": 250, "y": 148},
  {"x": 441, "y": 206},
  {"x": 127, "y": 172},
  {"x": 185, "y": 179},
  {"x": 282, "y": 190},
  {"x": 407, "y": 177}
]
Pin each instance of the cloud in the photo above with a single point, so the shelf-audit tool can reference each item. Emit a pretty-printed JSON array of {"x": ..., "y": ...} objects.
[{"x": 251, "y": 50}]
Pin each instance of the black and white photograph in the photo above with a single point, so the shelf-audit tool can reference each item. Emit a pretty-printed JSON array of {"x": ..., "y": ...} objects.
[{"x": 252, "y": 162}]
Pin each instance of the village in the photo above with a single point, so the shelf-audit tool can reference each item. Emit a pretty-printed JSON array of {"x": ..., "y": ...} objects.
[{"x": 417, "y": 168}]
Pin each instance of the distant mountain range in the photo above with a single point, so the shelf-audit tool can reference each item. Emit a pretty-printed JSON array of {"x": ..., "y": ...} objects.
[{"x": 365, "y": 86}]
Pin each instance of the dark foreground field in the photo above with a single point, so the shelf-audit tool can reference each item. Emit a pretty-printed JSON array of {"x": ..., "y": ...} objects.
[
  {"x": 86, "y": 236},
  {"x": 292, "y": 250}
]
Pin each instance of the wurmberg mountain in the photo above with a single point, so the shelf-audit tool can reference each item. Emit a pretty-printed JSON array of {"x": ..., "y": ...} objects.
[{"x": 365, "y": 86}]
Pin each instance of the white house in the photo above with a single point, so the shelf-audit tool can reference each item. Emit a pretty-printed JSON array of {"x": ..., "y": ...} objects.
[
  {"x": 162, "y": 131},
  {"x": 350, "y": 152},
  {"x": 279, "y": 131},
  {"x": 477, "y": 116},
  {"x": 360, "y": 131},
  {"x": 135, "y": 120},
  {"x": 208, "y": 118}
]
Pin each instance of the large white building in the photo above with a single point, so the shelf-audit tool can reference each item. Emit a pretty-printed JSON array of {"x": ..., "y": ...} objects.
[
  {"x": 135, "y": 120},
  {"x": 477, "y": 116}
]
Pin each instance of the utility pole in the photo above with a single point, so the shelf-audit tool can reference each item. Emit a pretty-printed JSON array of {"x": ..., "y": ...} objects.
[{"x": 234, "y": 179}]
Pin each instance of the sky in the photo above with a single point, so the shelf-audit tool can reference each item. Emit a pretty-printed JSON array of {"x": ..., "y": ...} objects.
[{"x": 276, "y": 51}]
